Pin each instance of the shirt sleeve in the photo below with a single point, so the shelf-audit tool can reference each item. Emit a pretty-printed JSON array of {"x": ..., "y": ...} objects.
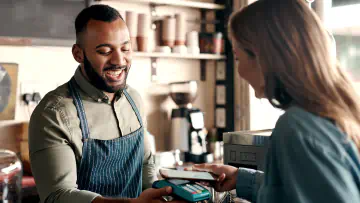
[
  {"x": 148, "y": 173},
  {"x": 52, "y": 159},
  {"x": 310, "y": 171},
  {"x": 248, "y": 183}
]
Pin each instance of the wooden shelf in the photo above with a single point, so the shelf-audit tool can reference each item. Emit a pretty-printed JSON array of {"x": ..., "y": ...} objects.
[
  {"x": 182, "y": 3},
  {"x": 180, "y": 56}
]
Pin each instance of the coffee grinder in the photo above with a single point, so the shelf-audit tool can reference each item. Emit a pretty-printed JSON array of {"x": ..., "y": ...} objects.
[{"x": 188, "y": 133}]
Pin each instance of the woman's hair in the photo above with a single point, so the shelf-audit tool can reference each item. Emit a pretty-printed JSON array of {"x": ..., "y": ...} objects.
[{"x": 297, "y": 60}]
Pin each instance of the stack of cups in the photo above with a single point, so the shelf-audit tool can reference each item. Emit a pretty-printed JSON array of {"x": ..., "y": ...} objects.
[
  {"x": 131, "y": 22},
  {"x": 143, "y": 30},
  {"x": 192, "y": 41},
  {"x": 180, "y": 29},
  {"x": 168, "y": 31},
  {"x": 180, "y": 34}
]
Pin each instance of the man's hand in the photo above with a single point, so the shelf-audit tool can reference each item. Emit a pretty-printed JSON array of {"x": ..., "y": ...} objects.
[
  {"x": 227, "y": 175},
  {"x": 150, "y": 195},
  {"x": 155, "y": 195}
]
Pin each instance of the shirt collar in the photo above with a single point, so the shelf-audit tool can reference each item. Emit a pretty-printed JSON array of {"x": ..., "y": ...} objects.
[{"x": 88, "y": 88}]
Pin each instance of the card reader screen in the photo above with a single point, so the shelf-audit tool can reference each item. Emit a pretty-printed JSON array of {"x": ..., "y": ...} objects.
[{"x": 178, "y": 181}]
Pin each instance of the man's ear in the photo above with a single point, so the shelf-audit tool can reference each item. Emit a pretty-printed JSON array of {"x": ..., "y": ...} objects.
[{"x": 78, "y": 53}]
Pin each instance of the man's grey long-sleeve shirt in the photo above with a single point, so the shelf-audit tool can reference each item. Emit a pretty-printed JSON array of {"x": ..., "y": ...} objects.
[{"x": 55, "y": 138}]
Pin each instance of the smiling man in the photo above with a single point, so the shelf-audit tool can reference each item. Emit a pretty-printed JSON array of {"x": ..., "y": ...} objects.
[{"x": 86, "y": 138}]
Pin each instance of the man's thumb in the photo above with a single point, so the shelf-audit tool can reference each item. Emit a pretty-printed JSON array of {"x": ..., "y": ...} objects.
[{"x": 161, "y": 192}]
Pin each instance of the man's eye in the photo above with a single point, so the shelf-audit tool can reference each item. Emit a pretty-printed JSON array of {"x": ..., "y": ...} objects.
[
  {"x": 104, "y": 52},
  {"x": 126, "y": 50}
]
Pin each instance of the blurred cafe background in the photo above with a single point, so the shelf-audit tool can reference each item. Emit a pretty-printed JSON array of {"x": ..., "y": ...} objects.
[{"x": 198, "y": 109}]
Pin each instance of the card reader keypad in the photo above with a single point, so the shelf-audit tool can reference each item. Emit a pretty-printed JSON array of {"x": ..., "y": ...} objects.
[
  {"x": 187, "y": 190},
  {"x": 194, "y": 188}
]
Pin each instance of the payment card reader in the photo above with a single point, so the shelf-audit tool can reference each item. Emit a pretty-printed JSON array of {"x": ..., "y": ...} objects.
[{"x": 184, "y": 189}]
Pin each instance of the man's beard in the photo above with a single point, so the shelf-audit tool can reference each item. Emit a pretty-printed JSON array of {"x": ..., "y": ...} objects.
[{"x": 100, "y": 82}]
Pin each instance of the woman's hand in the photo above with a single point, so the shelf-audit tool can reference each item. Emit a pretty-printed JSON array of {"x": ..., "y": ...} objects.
[{"x": 227, "y": 176}]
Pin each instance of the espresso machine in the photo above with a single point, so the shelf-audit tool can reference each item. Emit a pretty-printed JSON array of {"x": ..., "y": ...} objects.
[{"x": 188, "y": 133}]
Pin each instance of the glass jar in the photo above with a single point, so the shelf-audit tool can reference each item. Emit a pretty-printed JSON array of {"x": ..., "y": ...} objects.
[{"x": 10, "y": 177}]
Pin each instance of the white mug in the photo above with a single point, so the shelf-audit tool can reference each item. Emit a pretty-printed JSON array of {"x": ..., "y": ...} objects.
[{"x": 192, "y": 39}]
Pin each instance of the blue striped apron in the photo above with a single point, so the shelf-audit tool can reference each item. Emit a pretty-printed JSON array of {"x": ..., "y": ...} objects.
[{"x": 111, "y": 168}]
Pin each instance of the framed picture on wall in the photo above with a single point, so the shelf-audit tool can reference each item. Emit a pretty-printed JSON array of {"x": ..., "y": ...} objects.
[{"x": 8, "y": 87}]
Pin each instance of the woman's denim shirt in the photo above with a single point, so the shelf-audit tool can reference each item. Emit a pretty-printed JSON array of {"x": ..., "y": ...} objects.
[{"x": 309, "y": 160}]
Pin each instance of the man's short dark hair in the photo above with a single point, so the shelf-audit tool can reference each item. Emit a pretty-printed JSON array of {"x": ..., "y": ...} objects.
[{"x": 95, "y": 12}]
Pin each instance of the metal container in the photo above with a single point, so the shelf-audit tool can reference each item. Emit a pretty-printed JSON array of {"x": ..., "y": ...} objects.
[{"x": 246, "y": 148}]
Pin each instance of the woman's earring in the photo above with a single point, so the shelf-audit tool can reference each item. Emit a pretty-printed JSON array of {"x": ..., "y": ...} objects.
[{"x": 275, "y": 102}]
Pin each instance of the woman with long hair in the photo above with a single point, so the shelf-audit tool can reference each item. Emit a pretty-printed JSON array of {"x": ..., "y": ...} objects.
[{"x": 287, "y": 56}]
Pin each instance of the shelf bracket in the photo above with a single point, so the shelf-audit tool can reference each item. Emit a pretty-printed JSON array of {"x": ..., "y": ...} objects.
[
  {"x": 154, "y": 16},
  {"x": 202, "y": 70},
  {"x": 153, "y": 69},
  {"x": 203, "y": 62},
  {"x": 203, "y": 18},
  {"x": 153, "y": 10}
]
